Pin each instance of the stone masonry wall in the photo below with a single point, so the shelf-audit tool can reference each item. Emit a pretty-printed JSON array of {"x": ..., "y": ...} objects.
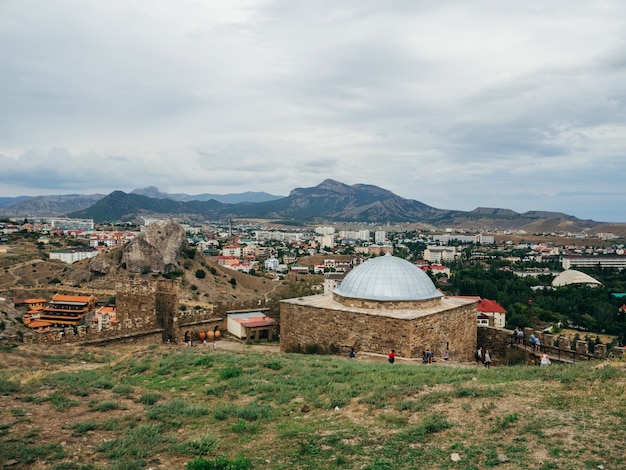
[
  {"x": 304, "y": 325},
  {"x": 454, "y": 330}
]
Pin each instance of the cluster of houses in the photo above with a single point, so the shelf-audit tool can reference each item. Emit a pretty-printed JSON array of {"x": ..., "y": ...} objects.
[{"x": 66, "y": 311}]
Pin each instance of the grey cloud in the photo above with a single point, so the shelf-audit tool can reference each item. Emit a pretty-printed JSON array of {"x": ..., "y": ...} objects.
[{"x": 427, "y": 99}]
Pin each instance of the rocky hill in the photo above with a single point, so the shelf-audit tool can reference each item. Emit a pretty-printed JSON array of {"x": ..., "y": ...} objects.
[
  {"x": 230, "y": 198},
  {"x": 47, "y": 205},
  {"x": 51, "y": 206},
  {"x": 332, "y": 201},
  {"x": 161, "y": 251}
]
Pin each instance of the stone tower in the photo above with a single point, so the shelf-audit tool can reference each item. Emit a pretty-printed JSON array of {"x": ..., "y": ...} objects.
[{"x": 146, "y": 305}]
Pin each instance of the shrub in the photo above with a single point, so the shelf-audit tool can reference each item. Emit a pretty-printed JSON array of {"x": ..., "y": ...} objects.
[
  {"x": 220, "y": 463},
  {"x": 149, "y": 398},
  {"x": 175, "y": 412},
  {"x": 61, "y": 402},
  {"x": 123, "y": 389},
  {"x": 197, "y": 447},
  {"x": 230, "y": 372},
  {"x": 200, "y": 274},
  {"x": 80, "y": 429},
  {"x": 104, "y": 406},
  {"x": 7, "y": 387},
  {"x": 274, "y": 365}
]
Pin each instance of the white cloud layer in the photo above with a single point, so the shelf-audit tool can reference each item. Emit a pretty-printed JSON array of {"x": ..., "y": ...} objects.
[{"x": 455, "y": 103}]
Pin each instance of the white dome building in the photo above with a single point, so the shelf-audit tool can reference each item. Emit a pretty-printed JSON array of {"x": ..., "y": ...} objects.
[
  {"x": 572, "y": 276},
  {"x": 388, "y": 279},
  {"x": 385, "y": 303}
]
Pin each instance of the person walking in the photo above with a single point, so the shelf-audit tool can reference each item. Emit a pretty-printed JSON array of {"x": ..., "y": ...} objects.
[
  {"x": 392, "y": 356},
  {"x": 487, "y": 358},
  {"x": 352, "y": 353},
  {"x": 478, "y": 355},
  {"x": 545, "y": 360}
]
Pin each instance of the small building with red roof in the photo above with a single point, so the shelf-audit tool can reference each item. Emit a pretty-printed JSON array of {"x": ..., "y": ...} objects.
[{"x": 251, "y": 326}]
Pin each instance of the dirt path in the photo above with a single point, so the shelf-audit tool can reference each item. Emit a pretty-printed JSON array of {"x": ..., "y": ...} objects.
[{"x": 278, "y": 284}]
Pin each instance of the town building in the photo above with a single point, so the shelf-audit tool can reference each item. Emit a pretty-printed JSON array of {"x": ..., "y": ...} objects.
[
  {"x": 385, "y": 303},
  {"x": 72, "y": 255},
  {"x": 572, "y": 276},
  {"x": 67, "y": 310},
  {"x": 569, "y": 262},
  {"x": 251, "y": 326},
  {"x": 437, "y": 254}
]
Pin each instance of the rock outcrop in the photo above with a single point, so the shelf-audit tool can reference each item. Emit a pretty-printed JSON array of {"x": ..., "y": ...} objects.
[
  {"x": 159, "y": 249},
  {"x": 99, "y": 265}
]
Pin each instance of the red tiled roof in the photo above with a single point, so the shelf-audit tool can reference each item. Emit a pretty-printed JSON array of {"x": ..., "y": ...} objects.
[
  {"x": 490, "y": 306},
  {"x": 39, "y": 324},
  {"x": 257, "y": 323},
  {"x": 71, "y": 298}
]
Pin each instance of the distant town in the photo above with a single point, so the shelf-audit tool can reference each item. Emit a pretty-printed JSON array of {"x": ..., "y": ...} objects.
[{"x": 327, "y": 251}]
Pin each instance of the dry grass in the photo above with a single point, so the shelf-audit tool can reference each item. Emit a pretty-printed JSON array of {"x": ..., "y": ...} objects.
[{"x": 159, "y": 403}]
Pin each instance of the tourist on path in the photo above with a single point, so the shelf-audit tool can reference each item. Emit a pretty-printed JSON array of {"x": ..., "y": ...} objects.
[
  {"x": 545, "y": 360},
  {"x": 487, "y": 358},
  {"x": 352, "y": 353},
  {"x": 478, "y": 355},
  {"x": 392, "y": 356}
]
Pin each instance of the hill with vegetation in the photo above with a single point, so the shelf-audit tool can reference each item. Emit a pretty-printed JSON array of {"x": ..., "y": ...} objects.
[
  {"x": 28, "y": 272},
  {"x": 329, "y": 201},
  {"x": 250, "y": 407}
]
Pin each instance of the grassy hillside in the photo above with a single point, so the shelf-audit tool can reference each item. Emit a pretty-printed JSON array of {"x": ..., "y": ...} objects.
[{"x": 251, "y": 407}]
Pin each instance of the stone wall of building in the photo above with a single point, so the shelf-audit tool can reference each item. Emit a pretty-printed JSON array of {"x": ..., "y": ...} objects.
[
  {"x": 302, "y": 326},
  {"x": 498, "y": 341},
  {"x": 386, "y": 305},
  {"x": 453, "y": 330}
]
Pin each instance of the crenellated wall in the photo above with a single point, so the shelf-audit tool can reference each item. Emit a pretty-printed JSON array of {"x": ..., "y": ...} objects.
[
  {"x": 148, "y": 310},
  {"x": 499, "y": 341}
]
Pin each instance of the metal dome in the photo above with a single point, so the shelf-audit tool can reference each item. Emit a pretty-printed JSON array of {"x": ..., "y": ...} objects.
[
  {"x": 571, "y": 276},
  {"x": 388, "y": 278}
]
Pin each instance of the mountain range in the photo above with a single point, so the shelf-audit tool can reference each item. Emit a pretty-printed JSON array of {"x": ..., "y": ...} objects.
[{"x": 327, "y": 202}]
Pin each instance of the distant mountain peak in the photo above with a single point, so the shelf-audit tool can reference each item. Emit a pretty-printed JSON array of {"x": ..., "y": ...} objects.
[{"x": 149, "y": 191}]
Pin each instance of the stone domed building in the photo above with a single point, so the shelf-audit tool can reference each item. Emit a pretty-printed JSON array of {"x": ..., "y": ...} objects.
[{"x": 385, "y": 303}]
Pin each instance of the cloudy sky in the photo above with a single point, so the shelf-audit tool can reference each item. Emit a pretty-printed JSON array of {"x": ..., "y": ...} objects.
[{"x": 455, "y": 103}]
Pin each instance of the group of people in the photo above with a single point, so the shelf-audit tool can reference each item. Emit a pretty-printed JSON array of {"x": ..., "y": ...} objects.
[
  {"x": 480, "y": 356},
  {"x": 518, "y": 335},
  {"x": 535, "y": 342},
  {"x": 484, "y": 357}
]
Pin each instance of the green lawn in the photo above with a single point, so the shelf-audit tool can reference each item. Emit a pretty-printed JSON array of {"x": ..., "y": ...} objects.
[{"x": 168, "y": 407}]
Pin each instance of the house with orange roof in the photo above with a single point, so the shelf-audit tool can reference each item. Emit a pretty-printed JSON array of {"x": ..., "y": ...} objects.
[
  {"x": 35, "y": 302},
  {"x": 68, "y": 310},
  {"x": 39, "y": 326},
  {"x": 105, "y": 318}
]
